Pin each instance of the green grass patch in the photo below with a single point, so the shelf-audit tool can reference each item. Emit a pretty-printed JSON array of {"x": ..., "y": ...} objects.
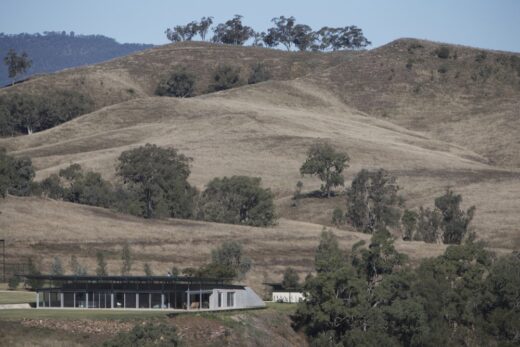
[{"x": 17, "y": 297}]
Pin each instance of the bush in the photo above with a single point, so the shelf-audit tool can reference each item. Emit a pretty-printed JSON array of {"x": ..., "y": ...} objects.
[
  {"x": 338, "y": 217},
  {"x": 13, "y": 282},
  {"x": 16, "y": 175},
  {"x": 443, "y": 52},
  {"x": 443, "y": 69},
  {"x": 147, "y": 334},
  {"x": 225, "y": 77},
  {"x": 180, "y": 84},
  {"x": 87, "y": 188},
  {"x": 259, "y": 73},
  {"x": 237, "y": 200},
  {"x": 51, "y": 187}
]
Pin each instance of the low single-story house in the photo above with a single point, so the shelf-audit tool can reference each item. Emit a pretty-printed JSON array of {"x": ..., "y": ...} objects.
[
  {"x": 281, "y": 294},
  {"x": 142, "y": 292}
]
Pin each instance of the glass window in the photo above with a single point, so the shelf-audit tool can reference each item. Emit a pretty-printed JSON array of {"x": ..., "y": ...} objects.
[{"x": 230, "y": 299}]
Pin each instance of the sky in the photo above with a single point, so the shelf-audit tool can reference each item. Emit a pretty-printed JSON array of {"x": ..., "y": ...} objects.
[{"x": 493, "y": 24}]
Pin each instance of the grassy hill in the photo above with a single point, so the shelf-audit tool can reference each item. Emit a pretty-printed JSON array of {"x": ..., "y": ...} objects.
[
  {"x": 54, "y": 51},
  {"x": 137, "y": 75},
  {"x": 429, "y": 139},
  {"x": 453, "y": 93}
]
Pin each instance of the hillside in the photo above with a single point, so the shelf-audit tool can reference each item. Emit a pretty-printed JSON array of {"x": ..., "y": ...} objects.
[
  {"x": 430, "y": 140},
  {"x": 54, "y": 51},
  {"x": 138, "y": 74},
  {"x": 466, "y": 96},
  {"x": 54, "y": 228}
]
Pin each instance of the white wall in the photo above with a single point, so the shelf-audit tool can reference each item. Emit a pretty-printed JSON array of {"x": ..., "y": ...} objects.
[{"x": 289, "y": 297}]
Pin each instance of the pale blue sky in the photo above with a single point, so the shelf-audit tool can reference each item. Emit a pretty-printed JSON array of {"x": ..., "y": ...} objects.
[{"x": 491, "y": 24}]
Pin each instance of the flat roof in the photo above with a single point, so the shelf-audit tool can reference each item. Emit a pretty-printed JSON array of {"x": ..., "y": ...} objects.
[{"x": 172, "y": 279}]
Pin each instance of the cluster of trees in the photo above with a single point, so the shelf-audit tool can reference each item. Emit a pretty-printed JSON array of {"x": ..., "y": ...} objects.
[
  {"x": 447, "y": 221},
  {"x": 371, "y": 296},
  {"x": 27, "y": 113},
  {"x": 154, "y": 184},
  {"x": 285, "y": 31},
  {"x": 373, "y": 202},
  {"x": 181, "y": 83}
]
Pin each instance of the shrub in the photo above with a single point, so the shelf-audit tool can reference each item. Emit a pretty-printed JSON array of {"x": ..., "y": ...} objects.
[
  {"x": 443, "y": 52},
  {"x": 225, "y": 77},
  {"x": 147, "y": 334},
  {"x": 338, "y": 217},
  {"x": 180, "y": 84},
  {"x": 51, "y": 187},
  {"x": 259, "y": 73},
  {"x": 16, "y": 175},
  {"x": 443, "y": 69},
  {"x": 481, "y": 56},
  {"x": 13, "y": 282},
  {"x": 237, "y": 200},
  {"x": 414, "y": 46}
]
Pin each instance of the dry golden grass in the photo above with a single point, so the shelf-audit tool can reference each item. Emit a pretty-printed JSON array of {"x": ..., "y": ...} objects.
[
  {"x": 45, "y": 228},
  {"x": 137, "y": 75},
  {"x": 265, "y": 130},
  {"x": 474, "y": 103}
]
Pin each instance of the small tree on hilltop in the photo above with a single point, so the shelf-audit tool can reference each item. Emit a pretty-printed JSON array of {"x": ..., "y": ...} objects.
[
  {"x": 232, "y": 32},
  {"x": 203, "y": 26},
  {"x": 326, "y": 163},
  {"x": 180, "y": 84},
  {"x": 16, "y": 64}
]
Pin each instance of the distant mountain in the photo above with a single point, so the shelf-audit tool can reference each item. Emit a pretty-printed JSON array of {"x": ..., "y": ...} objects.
[{"x": 53, "y": 51}]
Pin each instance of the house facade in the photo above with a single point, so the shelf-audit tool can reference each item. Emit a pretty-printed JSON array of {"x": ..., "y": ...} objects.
[{"x": 142, "y": 292}]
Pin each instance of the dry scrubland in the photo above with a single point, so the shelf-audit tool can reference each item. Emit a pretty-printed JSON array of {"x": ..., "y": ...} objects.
[{"x": 430, "y": 129}]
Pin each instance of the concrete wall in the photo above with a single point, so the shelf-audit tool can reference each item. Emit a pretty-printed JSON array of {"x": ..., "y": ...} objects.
[{"x": 243, "y": 298}]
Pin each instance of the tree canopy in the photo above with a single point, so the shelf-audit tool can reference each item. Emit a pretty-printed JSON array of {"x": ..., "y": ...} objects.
[
  {"x": 232, "y": 32},
  {"x": 237, "y": 200},
  {"x": 16, "y": 63},
  {"x": 373, "y": 202},
  {"x": 16, "y": 175},
  {"x": 180, "y": 83},
  {"x": 371, "y": 297},
  {"x": 158, "y": 176},
  {"x": 326, "y": 163}
]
